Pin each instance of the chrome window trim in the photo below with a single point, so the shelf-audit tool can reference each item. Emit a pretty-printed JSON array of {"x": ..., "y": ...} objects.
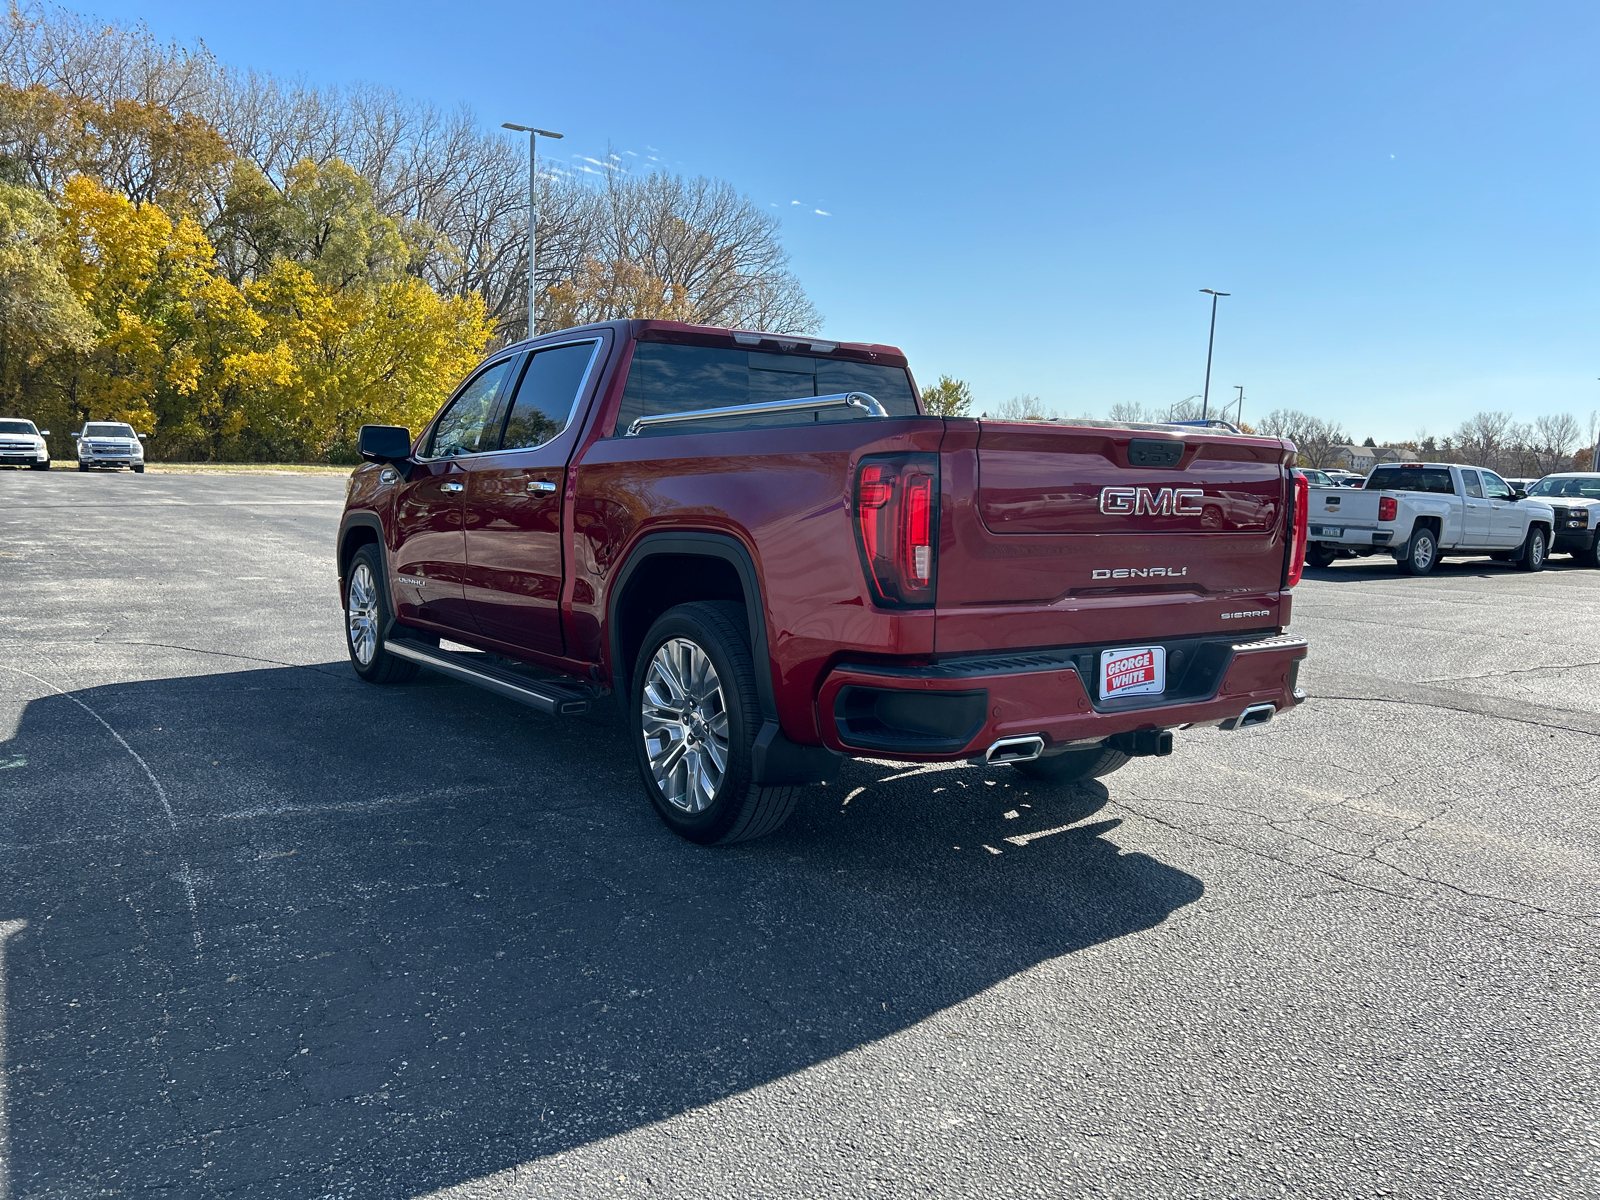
[
  {"x": 577, "y": 399},
  {"x": 799, "y": 404}
]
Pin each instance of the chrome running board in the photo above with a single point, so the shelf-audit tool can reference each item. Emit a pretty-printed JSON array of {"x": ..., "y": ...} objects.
[{"x": 547, "y": 695}]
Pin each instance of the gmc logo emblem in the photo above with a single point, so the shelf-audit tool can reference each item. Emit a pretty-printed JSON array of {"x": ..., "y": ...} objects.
[{"x": 1168, "y": 502}]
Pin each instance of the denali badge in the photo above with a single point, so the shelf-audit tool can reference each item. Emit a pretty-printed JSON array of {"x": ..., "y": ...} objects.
[
  {"x": 1168, "y": 502},
  {"x": 1141, "y": 573}
]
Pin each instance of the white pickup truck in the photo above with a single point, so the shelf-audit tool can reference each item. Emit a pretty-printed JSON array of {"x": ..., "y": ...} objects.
[{"x": 1422, "y": 512}]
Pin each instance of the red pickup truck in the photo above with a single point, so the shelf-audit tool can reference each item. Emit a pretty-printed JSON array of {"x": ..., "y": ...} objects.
[{"x": 767, "y": 551}]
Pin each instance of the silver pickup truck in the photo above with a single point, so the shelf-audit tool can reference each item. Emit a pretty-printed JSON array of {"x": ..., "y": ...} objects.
[{"x": 1422, "y": 512}]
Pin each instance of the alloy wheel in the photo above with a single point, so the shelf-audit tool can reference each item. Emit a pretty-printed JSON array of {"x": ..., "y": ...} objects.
[
  {"x": 685, "y": 724},
  {"x": 1422, "y": 553},
  {"x": 361, "y": 614}
]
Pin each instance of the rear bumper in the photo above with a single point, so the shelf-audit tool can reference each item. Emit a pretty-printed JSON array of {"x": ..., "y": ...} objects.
[
  {"x": 958, "y": 708},
  {"x": 1351, "y": 536}
]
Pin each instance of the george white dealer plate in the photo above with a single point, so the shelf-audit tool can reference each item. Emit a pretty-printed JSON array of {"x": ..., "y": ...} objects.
[{"x": 1133, "y": 671}]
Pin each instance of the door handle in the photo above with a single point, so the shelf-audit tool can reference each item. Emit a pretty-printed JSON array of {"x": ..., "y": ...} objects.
[
  {"x": 541, "y": 485},
  {"x": 451, "y": 487}
]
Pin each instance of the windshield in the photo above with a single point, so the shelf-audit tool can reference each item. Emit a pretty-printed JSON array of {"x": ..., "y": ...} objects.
[
  {"x": 23, "y": 427},
  {"x": 1585, "y": 487},
  {"x": 1411, "y": 479},
  {"x": 107, "y": 429}
]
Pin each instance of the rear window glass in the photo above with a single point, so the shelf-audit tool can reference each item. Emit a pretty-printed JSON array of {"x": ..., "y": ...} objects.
[
  {"x": 1411, "y": 479},
  {"x": 17, "y": 427},
  {"x": 667, "y": 378}
]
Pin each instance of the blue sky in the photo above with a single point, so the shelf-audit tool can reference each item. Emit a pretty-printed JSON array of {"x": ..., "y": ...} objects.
[{"x": 1401, "y": 197}]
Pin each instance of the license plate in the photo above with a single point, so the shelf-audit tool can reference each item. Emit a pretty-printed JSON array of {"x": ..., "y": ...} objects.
[
  {"x": 1133, "y": 671},
  {"x": 1329, "y": 531}
]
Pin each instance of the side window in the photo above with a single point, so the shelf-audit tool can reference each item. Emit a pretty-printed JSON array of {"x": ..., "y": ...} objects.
[
  {"x": 464, "y": 426},
  {"x": 1470, "y": 480},
  {"x": 547, "y": 395},
  {"x": 1494, "y": 487}
]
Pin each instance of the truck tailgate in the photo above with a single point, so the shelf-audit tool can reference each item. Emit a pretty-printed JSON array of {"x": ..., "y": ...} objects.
[
  {"x": 1343, "y": 506},
  {"x": 1066, "y": 520}
]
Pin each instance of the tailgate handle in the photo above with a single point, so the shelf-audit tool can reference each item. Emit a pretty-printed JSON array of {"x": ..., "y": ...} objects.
[{"x": 1152, "y": 452}]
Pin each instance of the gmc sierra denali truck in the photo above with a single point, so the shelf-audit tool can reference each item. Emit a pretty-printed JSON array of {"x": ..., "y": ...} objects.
[
  {"x": 767, "y": 552},
  {"x": 1423, "y": 512}
]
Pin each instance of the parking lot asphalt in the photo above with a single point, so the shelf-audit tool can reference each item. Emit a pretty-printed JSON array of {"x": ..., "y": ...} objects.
[{"x": 267, "y": 930}]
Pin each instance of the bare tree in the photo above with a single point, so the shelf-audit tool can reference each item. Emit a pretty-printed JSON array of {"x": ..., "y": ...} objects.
[
  {"x": 1316, "y": 440},
  {"x": 1556, "y": 437}
]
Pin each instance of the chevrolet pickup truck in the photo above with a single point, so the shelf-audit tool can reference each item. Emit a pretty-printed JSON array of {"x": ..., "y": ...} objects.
[
  {"x": 772, "y": 558},
  {"x": 1574, "y": 499},
  {"x": 1423, "y": 512}
]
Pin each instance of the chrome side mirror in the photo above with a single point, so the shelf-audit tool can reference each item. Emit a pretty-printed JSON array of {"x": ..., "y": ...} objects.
[{"x": 44, "y": 433}]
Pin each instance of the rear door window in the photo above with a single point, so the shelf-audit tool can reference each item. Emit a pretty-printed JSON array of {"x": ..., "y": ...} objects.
[
  {"x": 547, "y": 395},
  {"x": 667, "y": 378},
  {"x": 1469, "y": 480}
]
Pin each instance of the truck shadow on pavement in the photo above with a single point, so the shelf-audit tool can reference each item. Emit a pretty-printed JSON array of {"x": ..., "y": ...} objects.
[
  {"x": 433, "y": 935},
  {"x": 1363, "y": 570}
]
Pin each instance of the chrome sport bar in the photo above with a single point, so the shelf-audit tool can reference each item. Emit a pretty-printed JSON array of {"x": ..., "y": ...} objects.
[{"x": 800, "y": 404}]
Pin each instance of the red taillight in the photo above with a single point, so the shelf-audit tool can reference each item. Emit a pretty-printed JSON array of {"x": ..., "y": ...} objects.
[
  {"x": 1297, "y": 541},
  {"x": 1387, "y": 508},
  {"x": 897, "y": 522}
]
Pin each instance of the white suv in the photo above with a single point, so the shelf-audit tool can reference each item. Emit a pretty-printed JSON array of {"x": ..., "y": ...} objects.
[
  {"x": 22, "y": 444},
  {"x": 109, "y": 444}
]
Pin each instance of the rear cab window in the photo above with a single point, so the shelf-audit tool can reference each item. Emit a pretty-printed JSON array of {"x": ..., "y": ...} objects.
[
  {"x": 1412, "y": 479},
  {"x": 668, "y": 377}
]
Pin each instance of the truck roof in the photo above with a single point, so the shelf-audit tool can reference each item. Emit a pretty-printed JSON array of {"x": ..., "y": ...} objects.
[{"x": 747, "y": 339}]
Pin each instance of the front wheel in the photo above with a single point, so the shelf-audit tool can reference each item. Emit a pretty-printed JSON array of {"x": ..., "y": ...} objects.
[
  {"x": 139, "y": 470},
  {"x": 83, "y": 466},
  {"x": 366, "y": 615},
  {"x": 1535, "y": 550},
  {"x": 696, "y": 715},
  {"x": 1073, "y": 765},
  {"x": 1422, "y": 554},
  {"x": 1320, "y": 556},
  {"x": 1590, "y": 557},
  {"x": 41, "y": 466}
]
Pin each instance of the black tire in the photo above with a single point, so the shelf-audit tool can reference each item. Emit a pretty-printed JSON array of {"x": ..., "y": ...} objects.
[
  {"x": 83, "y": 466},
  {"x": 139, "y": 470},
  {"x": 1535, "y": 550},
  {"x": 44, "y": 466},
  {"x": 366, "y": 590},
  {"x": 1591, "y": 556},
  {"x": 737, "y": 809},
  {"x": 1073, "y": 765},
  {"x": 1320, "y": 556},
  {"x": 1421, "y": 554}
]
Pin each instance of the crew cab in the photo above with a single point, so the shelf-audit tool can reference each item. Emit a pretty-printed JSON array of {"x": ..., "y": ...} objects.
[
  {"x": 1422, "y": 512},
  {"x": 766, "y": 552},
  {"x": 1574, "y": 500},
  {"x": 22, "y": 444}
]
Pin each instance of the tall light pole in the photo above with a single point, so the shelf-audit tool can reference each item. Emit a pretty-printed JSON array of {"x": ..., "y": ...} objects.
[
  {"x": 1238, "y": 416},
  {"x": 1205, "y": 397},
  {"x": 533, "y": 208}
]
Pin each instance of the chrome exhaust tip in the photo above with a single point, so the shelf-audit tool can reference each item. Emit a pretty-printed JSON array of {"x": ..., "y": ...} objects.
[
  {"x": 1015, "y": 749},
  {"x": 1256, "y": 714}
]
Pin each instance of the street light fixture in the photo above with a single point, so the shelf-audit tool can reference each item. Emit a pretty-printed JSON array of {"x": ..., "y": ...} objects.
[
  {"x": 1238, "y": 416},
  {"x": 533, "y": 205},
  {"x": 1205, "y": 397}
]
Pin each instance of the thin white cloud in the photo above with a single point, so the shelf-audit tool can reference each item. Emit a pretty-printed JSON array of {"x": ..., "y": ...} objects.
[
  {"x": 796, "y": 202},
  {"x": 820, "y": 213}
]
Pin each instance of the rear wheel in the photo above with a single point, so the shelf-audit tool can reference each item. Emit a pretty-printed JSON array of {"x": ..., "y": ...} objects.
[
  {"x": 696, "y": 715},
  {"x": 1073, "y": 765},
  {"x": 1319, "y": 556},
  {"x": 1421, "y": 553},
  {"x": 1535, "y": 550},
  {"x": 366, "y": 615}
]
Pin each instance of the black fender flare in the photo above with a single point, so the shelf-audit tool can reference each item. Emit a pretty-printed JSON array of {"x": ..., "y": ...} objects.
[
  {"x": 778, "y": 761},
  {"x": 351, "y": 520}
]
